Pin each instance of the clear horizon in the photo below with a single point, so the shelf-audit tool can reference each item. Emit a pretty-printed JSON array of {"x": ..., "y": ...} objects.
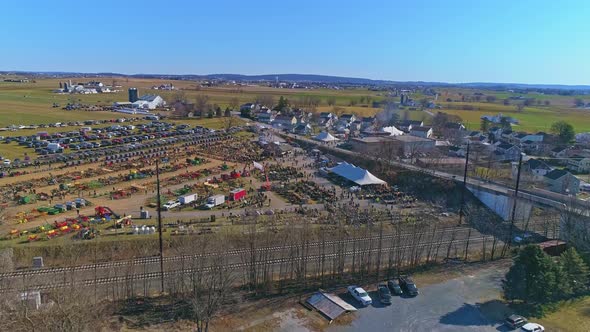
[{"x": 529, "y": 42}]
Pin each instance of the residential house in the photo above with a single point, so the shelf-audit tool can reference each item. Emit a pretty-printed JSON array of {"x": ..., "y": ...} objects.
[
  {"x": 531, "y": 146},
  {"x": 498, "y": 118},
  {"x": 538, "y": 168},
  {"x": 327, "y": 119},
  {"x": 407, "y": 125},
  {"x": 424, "y": 132},
  {"x": 475, "y": 136},
  {"x": 356, "y": 126},
  {"x": 302, "y": 129},
  {"x": 523, "y": 137},
  {"x": 265, "y": 117},
  {"x": 507, "y": 151},
  {"x": 367, "y": 122},
  {"x": 284, "y": 122},
  {"x": 346, "y": 119},
  {"x": 579, "y": 164},
  {"x": 562, "y": 182},
  {"x": 506, "y": 134},
  {"x": 249, "y": 108},
  {"x": 183, "y": 109},
  {"x": 455, "y": 151},
  {"x": 455, "y": 126},
  {"x": 559, "y": 152}
]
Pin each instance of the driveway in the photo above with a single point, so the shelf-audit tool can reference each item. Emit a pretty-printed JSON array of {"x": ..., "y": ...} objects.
[{"x": 468, "y": 303}]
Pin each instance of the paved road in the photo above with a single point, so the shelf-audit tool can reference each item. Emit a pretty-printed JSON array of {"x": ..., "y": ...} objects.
[{"x": 454, "y": 305}]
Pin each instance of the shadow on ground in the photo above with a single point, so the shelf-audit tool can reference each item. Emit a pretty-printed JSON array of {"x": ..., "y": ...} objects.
[{"x": 488, "y": 313}]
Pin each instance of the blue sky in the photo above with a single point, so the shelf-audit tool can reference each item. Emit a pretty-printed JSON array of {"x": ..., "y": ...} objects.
[{"x": 519, "y": 41}]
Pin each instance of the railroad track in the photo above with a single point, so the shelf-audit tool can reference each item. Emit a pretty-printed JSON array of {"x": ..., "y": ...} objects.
[
  {"x": 233, "y": 252},
  {"x": 234, "y": 266},
  {"x": 452, "y": 231}
]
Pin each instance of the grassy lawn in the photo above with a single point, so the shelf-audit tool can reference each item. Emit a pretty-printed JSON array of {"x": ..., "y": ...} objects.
[
  {"x": 532, "y": 119},
  {"x": 572, "y": 316}
]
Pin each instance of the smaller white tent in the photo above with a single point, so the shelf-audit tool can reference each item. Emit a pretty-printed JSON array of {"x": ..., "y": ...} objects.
[
  {"x": 325, "y": 136},
  {"x": 393, "y": 131}
]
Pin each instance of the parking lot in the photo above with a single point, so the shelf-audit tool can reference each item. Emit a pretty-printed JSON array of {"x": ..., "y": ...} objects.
[{"x": 468, "y": 303}]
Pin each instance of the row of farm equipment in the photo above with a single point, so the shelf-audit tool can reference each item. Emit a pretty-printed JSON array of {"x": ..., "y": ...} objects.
[{"x": 85, "y": 227}]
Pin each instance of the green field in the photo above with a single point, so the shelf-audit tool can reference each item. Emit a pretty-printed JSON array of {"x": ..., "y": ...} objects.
[{"x": 30, "y": 103}]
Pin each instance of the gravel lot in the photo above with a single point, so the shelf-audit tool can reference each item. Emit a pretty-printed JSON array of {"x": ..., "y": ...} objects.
[{"x": 468, "y": 303}]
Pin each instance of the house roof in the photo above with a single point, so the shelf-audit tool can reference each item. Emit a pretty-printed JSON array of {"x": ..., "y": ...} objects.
[
  {"x": 284, "y": 118},
  {"x": 454, "y": 125},
  {"x": 424, "y": 129},
  {"x": 148, "y": 97},
  {"x": 556, "y": 174},
  {"x": 537, "y": 164},
  {"x": 407, "y": 123},
  {"x": 347, "y": 116},
  {"x": 558, "y": 149},
  {"x": 329, "y": 305},
  {"x": 505, "y": 146},
  {"x": 368, "y": 119},
  {"x": 474, "y": 133},
  {"x": 302, "y": 126}
]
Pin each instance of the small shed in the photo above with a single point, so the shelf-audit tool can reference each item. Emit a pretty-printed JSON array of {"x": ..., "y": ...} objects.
[
  {"x": 553, "y": 247},
  {"x": 329, "y": 305}
]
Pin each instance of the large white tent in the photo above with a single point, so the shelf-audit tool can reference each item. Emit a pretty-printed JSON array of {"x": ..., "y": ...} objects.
[
  {"x": 358, "y": 175},
  {"x": 325, "y": 136}
]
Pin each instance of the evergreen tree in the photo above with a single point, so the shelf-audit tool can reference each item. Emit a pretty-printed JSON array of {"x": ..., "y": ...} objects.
[
  {"x": 485, "y": 125},
  {"x": 575, "y": 270},
  {"x": 532, "y": 277},
  {"x": 283, "y": 103}
]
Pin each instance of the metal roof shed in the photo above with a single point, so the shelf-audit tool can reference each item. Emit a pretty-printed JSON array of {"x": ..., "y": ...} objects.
[{"x": 329, "y": 305}]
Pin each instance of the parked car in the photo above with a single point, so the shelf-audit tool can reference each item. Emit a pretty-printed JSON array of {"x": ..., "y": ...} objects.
[
  {"x": 515, "y": 321},
  {"x": 395, "y": 287},
  {"x": 360, "y": 295},
  {"x": 408, "y": 286},
  {"x": 384, "y": 294},
  {"x": 171, "y": 205},
  {"x": 532, "y": 327},
  {"x": 6, "y": 162}
]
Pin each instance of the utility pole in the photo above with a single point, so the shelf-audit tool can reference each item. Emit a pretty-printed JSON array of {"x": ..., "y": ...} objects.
[
  {"x": 160, "y": 226},
  {"x": 515, "y": 197},
  {"x": 464, "y": 186}
]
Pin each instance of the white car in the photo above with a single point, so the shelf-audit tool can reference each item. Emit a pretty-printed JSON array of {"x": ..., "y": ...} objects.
[
  {"x": 171, "y": 205},
  {"x": 360, "y": 295},
  {"x": 6, "y": 162},
  {"x": 532, "y": 327}
]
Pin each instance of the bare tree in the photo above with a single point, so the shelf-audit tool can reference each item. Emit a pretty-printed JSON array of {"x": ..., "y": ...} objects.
[
  {"x": 201, "y": 104},
  {"x": 331, "y": 101},
  {"x": 62, "y": 312},
  {"x": 266, "y": 100},
  {"x": 211, "y": 289},
  {"x": 234, "y": 103}
]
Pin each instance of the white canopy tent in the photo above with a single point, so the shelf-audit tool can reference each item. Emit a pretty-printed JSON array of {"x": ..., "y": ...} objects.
[
  {"x": 325, "y": 136},
  {"x": 358, "y": 175},
  {"x": 393, "y": 131}
]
